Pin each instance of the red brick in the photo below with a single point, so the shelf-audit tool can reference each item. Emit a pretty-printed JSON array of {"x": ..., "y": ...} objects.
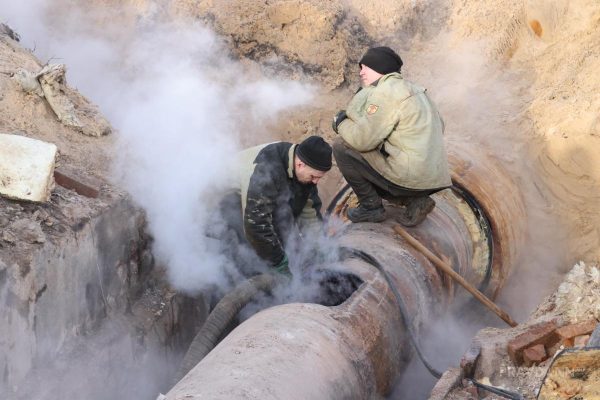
[
  {"x": 534, "y": 355},
  {"x": 542, "y": 333},
  {"x": 68, "y": 182},
  {"x": 581, "y": 341},
  {"x": 581, "y": 328}
]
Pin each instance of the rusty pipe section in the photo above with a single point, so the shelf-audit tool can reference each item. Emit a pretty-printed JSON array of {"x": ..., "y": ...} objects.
[{"x": 357, "y": 350}]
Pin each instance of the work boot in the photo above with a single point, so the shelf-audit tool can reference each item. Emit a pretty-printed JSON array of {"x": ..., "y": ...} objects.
[
  {"x": 416, "y": 211},
  {"x": 364, "y": 214}
]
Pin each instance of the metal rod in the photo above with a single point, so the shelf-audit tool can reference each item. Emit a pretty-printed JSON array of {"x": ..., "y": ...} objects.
[{"x": 454, "y": 275}]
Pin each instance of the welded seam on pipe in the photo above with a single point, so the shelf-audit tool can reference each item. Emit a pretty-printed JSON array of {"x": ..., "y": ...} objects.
[{"x": 348, "y": 252}]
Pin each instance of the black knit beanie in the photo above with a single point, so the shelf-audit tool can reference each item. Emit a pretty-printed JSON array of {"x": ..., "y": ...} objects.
[
  {"x": 382, "y": 59},
  {"x": 315, "y": 152}
]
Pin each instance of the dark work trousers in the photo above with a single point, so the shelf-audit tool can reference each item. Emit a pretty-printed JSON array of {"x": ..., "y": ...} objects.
[{"x": 369, "y": 185}]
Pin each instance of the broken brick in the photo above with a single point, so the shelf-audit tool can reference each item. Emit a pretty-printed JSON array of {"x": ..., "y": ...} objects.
[
  {"x": 534, "y": 355},
  {"x": 542, "y": 333},
  {"x": 581, "y": 341},
  {"x": 68, "y": 182},
  {"x": 570, "y": 331}
]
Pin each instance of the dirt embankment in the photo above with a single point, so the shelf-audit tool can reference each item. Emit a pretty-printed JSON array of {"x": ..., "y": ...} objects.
[
  {"x": 555, "y": 46},
  {"x": 26, "y": 226}
]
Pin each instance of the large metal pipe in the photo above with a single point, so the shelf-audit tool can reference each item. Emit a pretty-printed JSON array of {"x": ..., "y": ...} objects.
[{"x": 357, "y": 349}]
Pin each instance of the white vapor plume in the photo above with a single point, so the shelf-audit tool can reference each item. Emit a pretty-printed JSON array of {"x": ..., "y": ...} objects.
[
  {"x": 180, "y": 127},
  {"x": 180, "y": 106}
]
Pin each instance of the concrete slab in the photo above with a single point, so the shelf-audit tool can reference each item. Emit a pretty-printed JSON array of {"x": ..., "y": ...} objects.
[{"x": 26, "y": 168}]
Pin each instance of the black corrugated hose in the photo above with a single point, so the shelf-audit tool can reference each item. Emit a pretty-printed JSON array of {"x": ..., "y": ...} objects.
[{"x": 221, "y": 316}]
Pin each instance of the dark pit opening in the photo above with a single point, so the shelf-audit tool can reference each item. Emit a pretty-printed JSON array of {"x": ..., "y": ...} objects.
[{"x": 335, "y": 287}]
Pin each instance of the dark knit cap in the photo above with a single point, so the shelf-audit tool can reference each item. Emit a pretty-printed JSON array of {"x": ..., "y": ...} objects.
[
  {"x": 315, "y": 152},
  {"x": 382, "y": 59}
]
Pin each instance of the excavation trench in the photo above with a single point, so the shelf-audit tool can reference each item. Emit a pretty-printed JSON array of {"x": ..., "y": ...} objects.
[
  {"x": 360, "y": 347},
  {"x": 347, "y": 341}
]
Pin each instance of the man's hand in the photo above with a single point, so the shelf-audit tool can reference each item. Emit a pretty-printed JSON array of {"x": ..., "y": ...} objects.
[
  {"x": 337, "y": 119},
  {"x": 284, "y": 267}
]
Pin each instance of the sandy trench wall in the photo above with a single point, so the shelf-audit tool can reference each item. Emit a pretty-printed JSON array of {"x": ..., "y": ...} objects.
[
  {"x": 555, "y": 47},
  {"x": 65, "y": 288},
  {"x": 285, "y": 37}
]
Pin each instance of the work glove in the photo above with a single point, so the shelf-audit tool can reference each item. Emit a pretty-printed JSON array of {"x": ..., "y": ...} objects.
[
  {"x": 337, "y": 120},
  {"x": 283, "y": 267}
]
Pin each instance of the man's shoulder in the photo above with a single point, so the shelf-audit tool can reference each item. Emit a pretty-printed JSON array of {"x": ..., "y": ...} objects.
[
  {"x": 395, "y": 86},
  {"x": 269, "y": 160},
  {"x": 268, "y": 150},
  {"x": 276, "y": 146},
  {"x": 275, "y": 152}
]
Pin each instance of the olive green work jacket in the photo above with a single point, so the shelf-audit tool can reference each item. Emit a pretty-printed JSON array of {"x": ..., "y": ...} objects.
[{"x": 399, "y": 132}]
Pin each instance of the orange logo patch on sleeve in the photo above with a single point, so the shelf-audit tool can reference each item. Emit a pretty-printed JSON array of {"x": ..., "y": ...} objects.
[{"x": 372, "y": 109}]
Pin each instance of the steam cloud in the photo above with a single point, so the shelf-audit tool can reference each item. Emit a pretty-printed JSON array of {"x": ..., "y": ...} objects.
[{"x": 180, "y": 106}]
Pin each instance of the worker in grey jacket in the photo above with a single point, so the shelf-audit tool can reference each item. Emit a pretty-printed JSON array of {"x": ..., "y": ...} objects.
[
  {"x": 391, "y": 143},
  {"x": 276, "y": 194}
]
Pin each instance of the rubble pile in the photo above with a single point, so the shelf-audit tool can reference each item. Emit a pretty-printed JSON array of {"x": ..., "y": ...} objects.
[
  {"x": 578, "y": 297},
  {"x": 518, "y": 359}
]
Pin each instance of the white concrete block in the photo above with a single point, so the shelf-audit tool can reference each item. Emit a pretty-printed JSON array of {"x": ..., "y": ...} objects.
[{"x": 26, "y": 168}]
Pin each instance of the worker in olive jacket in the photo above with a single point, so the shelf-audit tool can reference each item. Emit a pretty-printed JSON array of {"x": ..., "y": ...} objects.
[
  {"x": 276, "y": 192},
  {"x": 390, "y": 143}
]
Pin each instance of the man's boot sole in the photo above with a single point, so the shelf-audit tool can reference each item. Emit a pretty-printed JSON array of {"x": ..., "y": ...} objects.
[
  {"x": 420, "y": 219},
  {"x": 376, "y": 219}
]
